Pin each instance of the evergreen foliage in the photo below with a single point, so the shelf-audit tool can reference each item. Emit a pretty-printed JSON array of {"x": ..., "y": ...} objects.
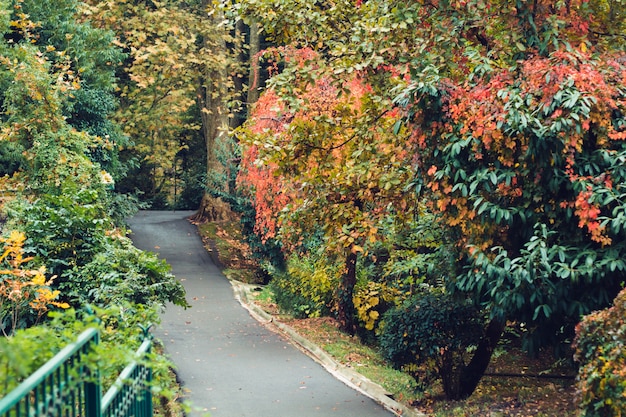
[{"x": 432, "y": 335}]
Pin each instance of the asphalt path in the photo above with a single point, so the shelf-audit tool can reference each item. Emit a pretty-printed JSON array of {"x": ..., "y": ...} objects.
[{"x": 231, "y": 365}]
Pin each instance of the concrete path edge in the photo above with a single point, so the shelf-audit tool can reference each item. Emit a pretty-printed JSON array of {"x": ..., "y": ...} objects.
[{"x": 345, "y": 374}]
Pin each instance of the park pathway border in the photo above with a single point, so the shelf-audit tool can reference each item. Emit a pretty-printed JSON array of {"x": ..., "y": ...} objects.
[
  {"x": 231, "y": 359},
  {"x": 343, "y": 373}
]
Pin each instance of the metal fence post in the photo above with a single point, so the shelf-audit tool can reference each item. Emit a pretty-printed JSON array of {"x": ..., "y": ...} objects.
[
  {"x": 93, "y": 390},
  {"x": 146, "y": 409}
]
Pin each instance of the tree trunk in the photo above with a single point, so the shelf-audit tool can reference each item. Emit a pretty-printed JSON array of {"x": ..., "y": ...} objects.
[
  {"x": 474, "y": 371},
  {"x": 212, "y": 99},
  {"x": 345, "y": 303},
  {"x": 242, "y": 62},
  {"x": 212, "y": 210},
  {"x": 254, "y": 77}
]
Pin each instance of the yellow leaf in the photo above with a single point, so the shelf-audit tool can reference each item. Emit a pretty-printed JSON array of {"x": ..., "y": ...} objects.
[
  {"x": 39, "y": 279},
  {"x": 356, "y": 249}
]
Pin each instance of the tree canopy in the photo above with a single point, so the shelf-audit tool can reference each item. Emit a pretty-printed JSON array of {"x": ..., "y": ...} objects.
[
  {"x": 62, "y": 218},
  {"x": 330, "y": 163},
  {"x": 515, "y": 113}
]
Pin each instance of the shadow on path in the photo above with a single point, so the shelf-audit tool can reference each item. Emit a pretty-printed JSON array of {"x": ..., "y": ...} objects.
[{"x": 228, "y": 362}]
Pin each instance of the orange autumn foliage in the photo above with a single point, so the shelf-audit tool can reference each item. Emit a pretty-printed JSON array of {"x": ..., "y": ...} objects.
[
  {"x": 316, "y": 155},
  {"x": 567, "y": 97}
]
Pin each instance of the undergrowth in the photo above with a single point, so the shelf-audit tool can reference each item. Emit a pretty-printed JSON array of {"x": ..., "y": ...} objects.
[{"x": 496, "y": 396}]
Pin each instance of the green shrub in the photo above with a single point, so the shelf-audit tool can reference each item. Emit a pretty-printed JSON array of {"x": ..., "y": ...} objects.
[
  {"x": 121, "y": 273},
  {"x": 64, "y": 231},
  {"x": 306, "y": 290},
  {"x": 93, "y": 262},
  {"x": 123, "y": 206},
  {"x": 430, "y": 336},
  {"x": 601, "y": 351}
]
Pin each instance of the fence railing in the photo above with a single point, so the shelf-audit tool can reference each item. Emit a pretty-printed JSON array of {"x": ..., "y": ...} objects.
[
  {"x": 130, "y": 396},
  {"x": 65, "y": 386}
]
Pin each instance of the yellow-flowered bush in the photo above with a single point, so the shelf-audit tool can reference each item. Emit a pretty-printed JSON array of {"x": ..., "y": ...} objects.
[
  {"x": 25, "y": 293},
  {"x": 372, "y": 301}
]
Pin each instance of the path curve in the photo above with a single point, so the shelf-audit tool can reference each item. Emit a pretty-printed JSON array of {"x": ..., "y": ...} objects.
[{"x": 230, "y": 364}]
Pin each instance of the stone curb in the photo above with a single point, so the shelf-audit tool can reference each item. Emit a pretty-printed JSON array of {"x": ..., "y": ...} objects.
[{"x": 345, "y": 374}]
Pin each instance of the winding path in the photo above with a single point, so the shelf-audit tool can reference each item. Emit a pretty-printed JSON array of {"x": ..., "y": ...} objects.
[{"x": 231, "y": 365}]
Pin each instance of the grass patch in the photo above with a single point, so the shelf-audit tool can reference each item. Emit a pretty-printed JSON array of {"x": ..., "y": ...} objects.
[
  {"x": 264, "y": 296},
  {"x": 225, "y": 242},
  {"x": 349, "y": 351}
]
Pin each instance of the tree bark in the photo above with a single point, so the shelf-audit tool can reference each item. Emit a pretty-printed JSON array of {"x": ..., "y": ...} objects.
[
  {"x": 212, "y": 99},
  {"x": 212, "y": 210},
  {"x": 242, "y": 62},
  {"x": 345, "y": 303},
  {"x": 474, "y": 371},
  {"x": 254, "y": 77}
]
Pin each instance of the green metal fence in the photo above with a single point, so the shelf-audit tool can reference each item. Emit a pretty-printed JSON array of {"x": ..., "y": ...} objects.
[
  {"x": 66, "y": 387},
  {"x": 130, "y": 396}
]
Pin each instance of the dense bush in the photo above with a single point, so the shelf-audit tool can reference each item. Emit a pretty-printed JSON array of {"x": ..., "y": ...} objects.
[
  {"x": 306, "y": 290},
  {"x": 64, "y": 231},
  {"x": 601, "y": 351},
  {"x": 94, "y": 263},
  {"x": 430, "y": 336},
  {"x": 123, "y": 206},
  {"x": 122, "y": 273}
]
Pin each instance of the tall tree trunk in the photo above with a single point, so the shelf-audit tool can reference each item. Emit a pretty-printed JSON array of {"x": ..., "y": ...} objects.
[
  {"x": 212, "y": 97},
  {"x": 345, "y": 303},
  {"x": 474, "y": 371},
  {"x": 254, "y": 77},
  {"x": 242, "y": 62},
  {"x": 212, "y": 100}
]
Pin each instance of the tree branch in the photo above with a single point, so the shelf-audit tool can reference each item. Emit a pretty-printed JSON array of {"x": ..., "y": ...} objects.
[
  {"x": 354, "y": 135},
  {"x": 621, "y": 35}
]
